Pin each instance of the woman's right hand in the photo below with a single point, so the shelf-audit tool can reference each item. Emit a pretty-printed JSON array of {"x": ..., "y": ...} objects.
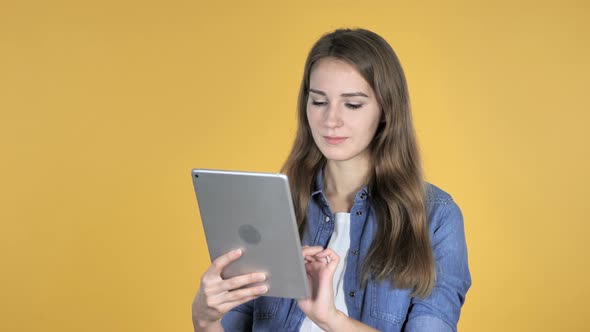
[{"x": 217, "y": 296}]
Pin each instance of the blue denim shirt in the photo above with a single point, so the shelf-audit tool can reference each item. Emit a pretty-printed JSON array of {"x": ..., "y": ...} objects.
[{"x": 377, "y": 304}]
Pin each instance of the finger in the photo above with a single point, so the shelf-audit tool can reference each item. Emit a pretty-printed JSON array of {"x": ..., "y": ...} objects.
[
  {"x": 223, "y": 286},
  {"x": 328, "y": 253},
  {"x": 310, "y": 251},
  {"x": 237, "y": 296},
  {"x": 230, "y": 305},
  {"x": 330, "y": 256},
  {"x": 310, "y": 259},
  {"x": 243, "y": 280},
  {"x": 314, "y": 260},
  {"x": 224, "y": 260}
]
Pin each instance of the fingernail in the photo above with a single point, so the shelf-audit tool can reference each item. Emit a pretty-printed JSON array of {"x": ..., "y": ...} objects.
[
  {"x": 237, "y": 251},
  {"x": 261, "y": 277},
  {"x": 262, "y": 289}
]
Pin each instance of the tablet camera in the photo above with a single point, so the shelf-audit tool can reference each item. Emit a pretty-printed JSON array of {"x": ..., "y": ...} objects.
[{"x": 249, "y": 234}]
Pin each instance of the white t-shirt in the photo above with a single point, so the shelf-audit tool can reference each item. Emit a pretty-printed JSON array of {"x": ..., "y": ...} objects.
[{"x": 340, "y": 243}]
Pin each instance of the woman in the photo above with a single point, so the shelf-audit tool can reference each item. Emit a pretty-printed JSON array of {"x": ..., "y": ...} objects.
[{"x": 384, "y": 249}]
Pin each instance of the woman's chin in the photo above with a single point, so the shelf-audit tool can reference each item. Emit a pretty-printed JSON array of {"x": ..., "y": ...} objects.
[{"x": 337, "y": 155}]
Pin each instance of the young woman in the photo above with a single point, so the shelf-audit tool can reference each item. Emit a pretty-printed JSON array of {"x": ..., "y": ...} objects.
[{"x": 383, "y": 249}]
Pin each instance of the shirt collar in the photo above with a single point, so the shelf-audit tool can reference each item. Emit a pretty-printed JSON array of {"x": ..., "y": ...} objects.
[{"x": 318, "y": 186}]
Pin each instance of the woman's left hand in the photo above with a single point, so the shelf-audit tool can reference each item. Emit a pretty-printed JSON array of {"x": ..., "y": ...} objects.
[{"x": 320, "y": 265}]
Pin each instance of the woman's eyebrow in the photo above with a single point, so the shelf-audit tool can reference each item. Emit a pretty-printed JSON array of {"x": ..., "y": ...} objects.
[
  {"x": 354, "y": 94},
  {"x": 351, "y": 94},
  {"x": 322, "y": 93}
]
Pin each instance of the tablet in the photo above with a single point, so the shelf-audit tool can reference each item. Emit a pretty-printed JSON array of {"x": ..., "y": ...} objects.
[{"x": 254, "y": 212}]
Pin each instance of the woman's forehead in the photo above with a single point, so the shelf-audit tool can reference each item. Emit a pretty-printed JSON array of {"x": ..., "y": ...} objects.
[{"x": 335, "y": 76}]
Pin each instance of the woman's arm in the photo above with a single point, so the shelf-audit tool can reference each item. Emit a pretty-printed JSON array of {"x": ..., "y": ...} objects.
[
  {"x": 217, "y": 296},
  {"x": 440, "y": 311},
  {"x": 320, "y": 266},
  {"x": 345, "y": 323},
  {"x": 201, "y": 326}
]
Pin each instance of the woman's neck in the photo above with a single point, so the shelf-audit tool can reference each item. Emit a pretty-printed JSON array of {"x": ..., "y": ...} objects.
[{"x": 343, "y": 179}]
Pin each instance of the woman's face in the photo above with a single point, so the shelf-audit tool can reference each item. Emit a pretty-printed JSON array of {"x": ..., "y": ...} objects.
[{"x": 342, "y": 110}]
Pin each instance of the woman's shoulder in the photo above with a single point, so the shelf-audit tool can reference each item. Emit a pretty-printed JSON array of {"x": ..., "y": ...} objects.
[
  {"x": 441, "y": 208},
  {"x": 436, "y": 195}
]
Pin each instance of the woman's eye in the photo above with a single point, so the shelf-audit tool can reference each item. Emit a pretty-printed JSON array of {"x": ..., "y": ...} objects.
[
  {"x": 354, "y": 106},
  {"x": 318, "y": 103}
]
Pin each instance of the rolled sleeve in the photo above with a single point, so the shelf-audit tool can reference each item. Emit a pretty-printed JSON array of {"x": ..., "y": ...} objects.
[
  {"x": 239, "y": 318},
  {"x": 427, "y": 323},
  {"x": 440, "y": 311}
]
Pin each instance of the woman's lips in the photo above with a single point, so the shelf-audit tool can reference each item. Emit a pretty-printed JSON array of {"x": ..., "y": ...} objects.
[{"x": 334, "y": 139}]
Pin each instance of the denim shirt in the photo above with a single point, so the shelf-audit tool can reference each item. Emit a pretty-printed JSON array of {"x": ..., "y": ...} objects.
[{"x": 377, "y": 304}]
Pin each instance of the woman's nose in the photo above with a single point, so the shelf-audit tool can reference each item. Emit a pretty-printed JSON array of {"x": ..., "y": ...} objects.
[{"x": 333, "y": 116}]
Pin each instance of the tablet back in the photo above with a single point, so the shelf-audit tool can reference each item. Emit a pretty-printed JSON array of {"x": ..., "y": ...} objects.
[{"x": 253, "y": 211}]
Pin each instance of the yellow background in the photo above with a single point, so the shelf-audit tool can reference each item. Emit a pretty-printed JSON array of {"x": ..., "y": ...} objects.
[{"x": 107, "y": 105}]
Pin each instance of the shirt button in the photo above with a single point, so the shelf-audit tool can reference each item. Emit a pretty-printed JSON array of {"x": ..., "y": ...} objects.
[
  {"x": 355, "y": 252},
  {"x": 363, "y": 196},
  {"x": 358, "y": 213},
  {"x": 327, "y": 219},
  {"x": 352, "y": 294}
]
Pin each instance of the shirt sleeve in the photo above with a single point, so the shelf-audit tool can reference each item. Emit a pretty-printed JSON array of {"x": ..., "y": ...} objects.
[
  {"x": 440, "y": 311},
  {"x": 239, "y": 318}
]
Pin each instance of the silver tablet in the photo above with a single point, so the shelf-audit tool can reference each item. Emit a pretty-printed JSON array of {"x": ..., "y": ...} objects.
[{"x": 253, "y": 211}]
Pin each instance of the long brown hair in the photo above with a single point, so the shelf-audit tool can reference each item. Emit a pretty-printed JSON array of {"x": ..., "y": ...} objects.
[{"x": 401, "y": 250}]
